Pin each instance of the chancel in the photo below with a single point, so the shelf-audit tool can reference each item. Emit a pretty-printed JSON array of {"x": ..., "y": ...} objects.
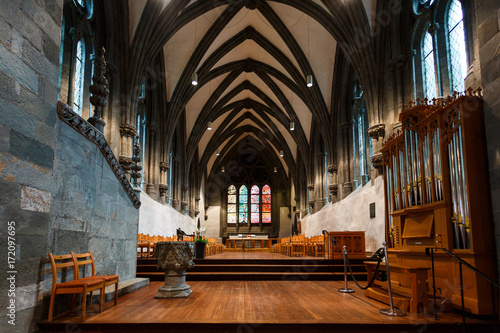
[{"x": 267, "y": 152}]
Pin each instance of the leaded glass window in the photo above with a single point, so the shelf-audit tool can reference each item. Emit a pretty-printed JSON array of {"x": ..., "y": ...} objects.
[
  {"x": 429, "y": 67},
  {"x": 456, "y": 46},
  {"x": 255, "y": 204},
  {"x": 243, "y": 205},
  {"x": 266, "y": 204},
  {"x": 231, "y": 204},
  {"x": 79, "y": 77}
]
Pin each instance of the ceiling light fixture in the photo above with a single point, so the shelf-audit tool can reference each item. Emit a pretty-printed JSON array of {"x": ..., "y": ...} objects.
[
  {"x": 309, "y": 81},
  {"x": 275, "y": 169},
  {"x": 194, "y": 79},
  {"x": 223, "y": 169},
  {"x": 209, "y": 127},
  {"x": 281, "y": 153},
  {"x": 217, "y": 152},
  {"x": 292, "y": 126}
]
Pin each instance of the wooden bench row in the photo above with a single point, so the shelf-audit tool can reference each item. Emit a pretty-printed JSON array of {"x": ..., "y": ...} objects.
[
  {"x": 146, "y": 244},
  {"x": 79, "y": 285},
  {"x": 300, "y": 246}
]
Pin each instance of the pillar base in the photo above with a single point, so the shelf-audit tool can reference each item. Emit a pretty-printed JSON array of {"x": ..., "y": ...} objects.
[{"x": 175, "y": 286}]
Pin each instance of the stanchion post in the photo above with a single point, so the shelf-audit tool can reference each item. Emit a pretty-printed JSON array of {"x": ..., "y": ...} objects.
[
  {"x": 345, "y": 289},
  {"x": 392, "y": 311}
]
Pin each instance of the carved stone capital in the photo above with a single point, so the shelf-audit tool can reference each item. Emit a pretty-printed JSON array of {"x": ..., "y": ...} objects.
[
  {"x": 125, "y": 162},
  {"x": 184, "y": 187},
  {"x": 197, "y": 199},
  {"x": 163, "y": 189},
  {"x": 333, "y": 188},
  {"x": 377, "y": 132},
  {"x": 311, "y": 203},
  {"x": 378, "y": 161},
  {"x": 184, "y": 204},
  {"x": 310, "y": 187},
  {"x": 128, "y": 130},
  {"x": 164, "y": 166},
  {"x": 332, "y": 169},
  {"x": 152, "y": 128}
]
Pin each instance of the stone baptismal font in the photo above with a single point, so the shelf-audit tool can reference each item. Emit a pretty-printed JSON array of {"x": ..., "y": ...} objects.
[{"x": 174, "y": 258}]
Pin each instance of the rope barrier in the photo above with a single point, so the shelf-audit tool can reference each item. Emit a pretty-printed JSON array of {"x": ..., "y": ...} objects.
[{"x": 354, "y": 278}]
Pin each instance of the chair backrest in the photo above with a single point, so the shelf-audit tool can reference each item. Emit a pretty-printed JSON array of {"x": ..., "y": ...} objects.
[
  {"x": 62, "y": 261},
  {"x": 82, "y": 260}
]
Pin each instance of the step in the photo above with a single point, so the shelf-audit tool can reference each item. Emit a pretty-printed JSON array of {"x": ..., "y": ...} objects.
[{"x": 256, "y": 276}]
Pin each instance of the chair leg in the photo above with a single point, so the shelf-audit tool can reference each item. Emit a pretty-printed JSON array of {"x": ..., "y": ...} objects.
[
  {"x": 84, "y": 302},
  {"x": 103, "y": 294},
  {"x": 116, "y": 292},
  {"x": 51, "y": 306}
]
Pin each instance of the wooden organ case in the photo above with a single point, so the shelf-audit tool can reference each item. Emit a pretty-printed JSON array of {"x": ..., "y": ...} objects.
[{"x": 437, "y": 194}]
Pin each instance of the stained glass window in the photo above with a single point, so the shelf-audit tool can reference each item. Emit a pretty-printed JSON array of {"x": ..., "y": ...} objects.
[
  {"x": 266, "y": 204},
  {"x": 254, "y": 204},
  {"x": 243, "y": 210},
  {"x": 456, "y": 46},
  {"x": 79, "y": 77},
  {"x": 231, "y": 204},
  {"x": 429, "y": 67}
]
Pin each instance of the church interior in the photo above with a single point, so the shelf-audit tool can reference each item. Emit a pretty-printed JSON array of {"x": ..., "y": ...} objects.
[{"x": 250, "y": 148}]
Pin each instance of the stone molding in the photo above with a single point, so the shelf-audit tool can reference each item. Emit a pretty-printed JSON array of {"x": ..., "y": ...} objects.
[
  {"x": 377, "y": 131},
  {"x": 66, "y": 115},
  {"x": 332, "y": 169},
  {"x": 128, "y": 130}
]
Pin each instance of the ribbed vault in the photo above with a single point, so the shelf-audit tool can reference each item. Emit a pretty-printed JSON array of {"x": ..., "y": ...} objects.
[{"x": 252, "y": 58}]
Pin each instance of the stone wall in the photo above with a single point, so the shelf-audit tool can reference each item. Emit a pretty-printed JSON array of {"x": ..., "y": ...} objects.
[
  {"x": 488, "y": 27},
  {"x": 29, "y": 67},
  {"x": 158, "y": 219},
  {"x": 213, "y": 223},
  {"x": 353, "y": 214},
  {"x": 90, "y": 211}
]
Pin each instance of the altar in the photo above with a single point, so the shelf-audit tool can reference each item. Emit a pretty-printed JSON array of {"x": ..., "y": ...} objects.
[{"x": 249, "y": 242}]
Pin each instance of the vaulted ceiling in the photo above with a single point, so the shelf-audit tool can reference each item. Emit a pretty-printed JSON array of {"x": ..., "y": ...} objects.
[{"x": 252, "y": 58}]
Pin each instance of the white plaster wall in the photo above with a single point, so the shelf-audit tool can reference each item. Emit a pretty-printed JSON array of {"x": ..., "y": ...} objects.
[
  {"x": 285, "y": 222},
  {"x": 212, "y": 224},
  {"x": 352, "y": 214},
  {"x": 163, "y": 220}
]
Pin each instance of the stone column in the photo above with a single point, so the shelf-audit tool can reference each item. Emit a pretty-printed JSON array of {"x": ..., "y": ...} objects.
[
  {"x": 310, "y": 187},
  {"x": 344, "y": 127},
  {"x": 175, "y": 190},
  {"x": 333, "y": 187},
  {"x": 152, "y": 158},
  {"x": 136, "y": 168},
  {"x": 377, "y": 133},
  {"x": 184, "y": 198},
  {"x": 127, "y": 134},
  {"x": 320, "y": 181},
  {"x": 163, "y": 186}
]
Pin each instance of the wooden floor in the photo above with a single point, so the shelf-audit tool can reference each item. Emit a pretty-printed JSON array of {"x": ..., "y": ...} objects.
[
  {"x": 256, "y": 255},
  {"x": 257, "y": 306}
]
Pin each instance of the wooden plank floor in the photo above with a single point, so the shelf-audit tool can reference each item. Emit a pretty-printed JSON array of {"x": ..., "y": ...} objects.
[
  {"x": 256, "y": 255},
  {"x": 251, "y": 306}
]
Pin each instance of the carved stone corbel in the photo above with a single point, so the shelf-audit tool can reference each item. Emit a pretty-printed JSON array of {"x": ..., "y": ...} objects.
[{"x": 334, "y": 189}]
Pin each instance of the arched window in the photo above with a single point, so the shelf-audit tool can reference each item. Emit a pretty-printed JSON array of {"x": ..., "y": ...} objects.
[
  {"x": 78, "y": 82},
  {"x": 255, "y": 204},
  {"x": 238, "y": 204},
  {"x": 362, "y": 145},
  {"x": 429, "y": 66},
  {"x": 231, "y": 204},
  {"x": 456, "y": 45},
  {"x": 243, "y": 205},
  {"x": 266, "y": 204}
]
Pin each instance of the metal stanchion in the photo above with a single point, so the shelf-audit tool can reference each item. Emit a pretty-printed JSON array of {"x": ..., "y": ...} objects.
[
  {"x": 392, "y": 311},
  {"x": 345, "y": 289}
]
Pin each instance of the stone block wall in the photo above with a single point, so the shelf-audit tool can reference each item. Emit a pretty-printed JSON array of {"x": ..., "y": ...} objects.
[
  {"x": 56, "y": 186},
  {"x": 488, "y": 20},
  {"x": 29, "y": 66}
]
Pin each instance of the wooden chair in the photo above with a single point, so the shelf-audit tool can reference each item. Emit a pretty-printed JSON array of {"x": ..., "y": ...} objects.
[
  {"x": 74, "y": 286},
  {"x": 85, "y": 259}
]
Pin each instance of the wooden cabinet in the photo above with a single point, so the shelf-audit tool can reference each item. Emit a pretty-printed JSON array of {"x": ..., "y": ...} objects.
[
  {"x": 353, "y": 240},
  {"x": 437, "y": 194}
]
